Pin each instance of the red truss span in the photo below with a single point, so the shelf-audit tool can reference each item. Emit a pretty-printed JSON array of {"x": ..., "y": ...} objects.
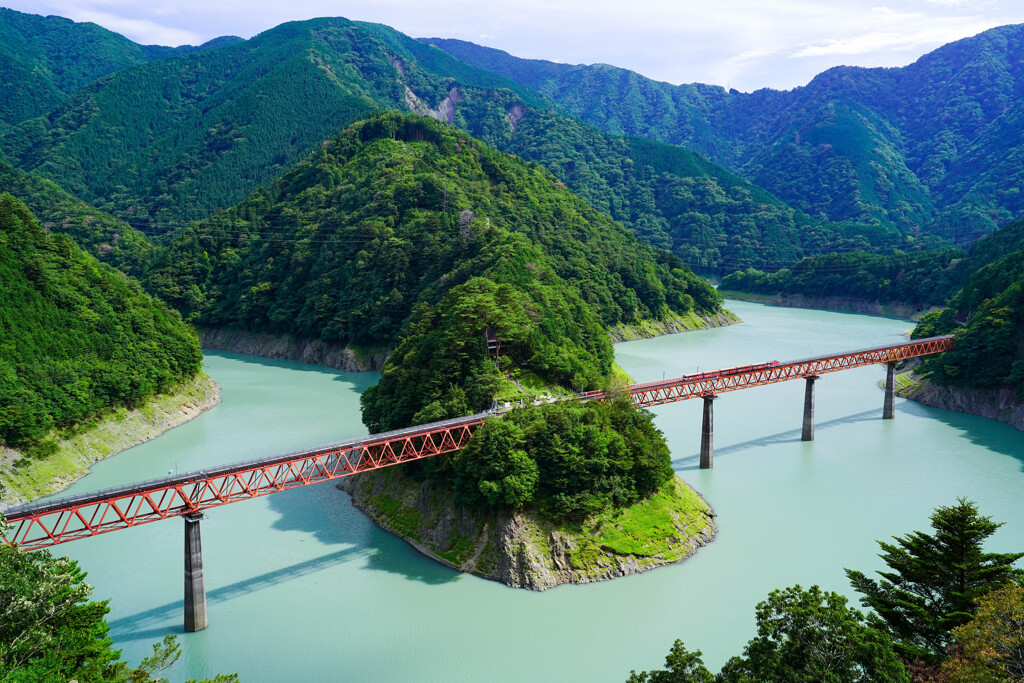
[
  {"x": 41, "y": 525},
  {"x": 744, "y": 377},
  {"x": 44, "y": 524}
]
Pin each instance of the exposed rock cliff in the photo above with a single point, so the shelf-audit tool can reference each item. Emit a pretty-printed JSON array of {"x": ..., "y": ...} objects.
[
  {"x": 1000, "y": 403},
  {"x": 287, "y": 347},
  {"x": 524, "y": 552}
]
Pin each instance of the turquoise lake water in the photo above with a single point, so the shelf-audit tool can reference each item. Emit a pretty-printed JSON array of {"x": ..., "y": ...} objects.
[{"x": 303, "y": 587}]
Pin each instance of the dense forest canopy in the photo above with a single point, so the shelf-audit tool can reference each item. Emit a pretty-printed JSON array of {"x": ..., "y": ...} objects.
[
  {"x": 77, "y": 338},
  {"x": 918, "y": 279},
  {"x": 109, "y": 239},
  {"x": 987, "y": 316},
  {"x": 569, "y": 460},
  {"x": 45, "y": 59},
  {"x": 919, "y": 147},
  {"x": 405, "y": 231},
  {"x": 162, "y": 143}
]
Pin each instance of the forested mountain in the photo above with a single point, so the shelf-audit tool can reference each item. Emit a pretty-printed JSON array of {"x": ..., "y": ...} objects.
[
  {"x": 76, "y": 338},
  {"x": 987, "y": 316},
  {"x": 918, "y": 279},
  {"x": 45, "y": 59},
  {"x": 163, "y": 143},
  {"x": 924, "y": 146},
  {"x": 109, "y": 239},
  {"x": 405, "y": 218}
]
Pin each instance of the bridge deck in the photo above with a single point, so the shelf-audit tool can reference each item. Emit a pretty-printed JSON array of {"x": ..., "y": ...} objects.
[{"x": 44, "y": 524}]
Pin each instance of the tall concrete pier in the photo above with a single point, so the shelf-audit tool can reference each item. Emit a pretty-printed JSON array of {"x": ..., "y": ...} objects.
[
  {"x": 195, "y": 590},
  {"x": 890, "y": 385},
  {"x": 808, "y": 432},
  {"x": 707, "y": 435}
]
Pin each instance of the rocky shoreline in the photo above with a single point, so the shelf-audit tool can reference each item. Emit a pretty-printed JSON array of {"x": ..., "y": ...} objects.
[
  {"x": 289, "y": 347},
  {"x": 1000, "y": 403},
  {"x": 523, "y": 551},
  {"x": 673, "y": 324},
  {"x": 842, "y": 304},
  {"x": 115, "y": 432}
]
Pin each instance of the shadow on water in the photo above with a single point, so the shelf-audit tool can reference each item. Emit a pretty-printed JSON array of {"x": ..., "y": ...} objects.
[
  {"x": 131, "y": 626},
  {"x": 328, "y": 514},
  {"x": 981, "y": 431},
  {"x": 361, "y": 380},
  {"x": 692, "y": 462}
]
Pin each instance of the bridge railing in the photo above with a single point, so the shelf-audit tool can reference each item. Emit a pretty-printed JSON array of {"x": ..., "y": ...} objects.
[
  {"x": 710, "y": 384},
  {"x": 40, "y": 525}
]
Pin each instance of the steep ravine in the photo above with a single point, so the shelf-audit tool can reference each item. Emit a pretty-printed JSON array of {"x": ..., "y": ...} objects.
[{"x": 523, "y": 551}]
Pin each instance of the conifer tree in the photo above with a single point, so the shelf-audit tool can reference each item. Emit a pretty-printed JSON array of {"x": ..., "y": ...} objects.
[{"x": 935, "y": 580}]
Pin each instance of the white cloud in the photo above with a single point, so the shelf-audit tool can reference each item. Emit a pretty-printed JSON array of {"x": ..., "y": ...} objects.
[{"x": 878, "y": 41}]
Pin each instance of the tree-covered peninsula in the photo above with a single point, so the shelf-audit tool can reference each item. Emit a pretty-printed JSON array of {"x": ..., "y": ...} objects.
[
  {"x": 79, "y": 340},
  {"x": 403, "y": 232}
]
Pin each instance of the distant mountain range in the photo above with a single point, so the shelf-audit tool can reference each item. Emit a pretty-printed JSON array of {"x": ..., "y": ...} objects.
[
  {"x": 933, "y": 146},
  {"x": 860, "y": 158}
]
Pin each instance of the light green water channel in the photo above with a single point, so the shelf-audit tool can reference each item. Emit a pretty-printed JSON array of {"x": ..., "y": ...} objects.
[{"x": 302, "y": 587}]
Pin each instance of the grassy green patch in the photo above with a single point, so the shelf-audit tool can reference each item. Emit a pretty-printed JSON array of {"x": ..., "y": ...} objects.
[
  {"x": 654, "y": 527},
  {"x": 461, "y": 550},
  {"x": 403, "y": 519}
]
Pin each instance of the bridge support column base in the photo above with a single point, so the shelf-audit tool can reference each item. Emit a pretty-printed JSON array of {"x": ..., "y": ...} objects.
[
  {"x": 195, "y": 590},
  {"x": 890, "y": 385},
  {"x": 707, "y": 435},
  {"x": 808, "y": 431}
]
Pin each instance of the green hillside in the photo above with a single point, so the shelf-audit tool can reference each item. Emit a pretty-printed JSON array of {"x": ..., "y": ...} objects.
[
  {"x": 925, "y": 146},
  {"x": 174, "y": 140},
  {"x": 987, "y": 316},
  {"x": 917, "y": 279},
  {"x": 382, "y": 231},
  {"x": 107, "y": 238},
  {"x": 45, "y": 59},
  {"x": 77, "y": 338}
]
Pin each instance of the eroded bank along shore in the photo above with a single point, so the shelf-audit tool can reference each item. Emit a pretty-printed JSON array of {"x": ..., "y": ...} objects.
[
  {"x": 522, "y": 550},
  {"x": 351, "y": 359},
  {"x": 840, "y": 304},
  {"x": 26, "y": 477},
  {"x": 999, "y": 403}
]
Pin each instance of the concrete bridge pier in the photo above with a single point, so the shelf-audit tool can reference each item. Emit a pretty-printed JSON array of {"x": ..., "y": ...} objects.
[
  {"x": 707, "y": 435},
  {"x": 195, "y": 590},
  {"x": 890, "y": 386},
  {"x": 808, "y": 432}
]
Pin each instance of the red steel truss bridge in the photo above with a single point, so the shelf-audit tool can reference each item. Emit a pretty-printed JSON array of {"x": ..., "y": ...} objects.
[
  {"x": 40, "y": 525},
  {"x": 743, "y": 377},
  {"x": 67, "y": 519}
]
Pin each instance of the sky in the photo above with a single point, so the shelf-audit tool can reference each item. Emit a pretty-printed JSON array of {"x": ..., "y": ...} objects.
[{"x": 742, "y": 44}]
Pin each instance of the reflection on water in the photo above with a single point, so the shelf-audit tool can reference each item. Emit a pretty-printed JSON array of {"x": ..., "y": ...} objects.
[{"x": 301, "y": 587}]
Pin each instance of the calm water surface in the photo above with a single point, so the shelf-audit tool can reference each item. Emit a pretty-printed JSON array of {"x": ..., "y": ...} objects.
[{"x": 302, "y": 587}]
